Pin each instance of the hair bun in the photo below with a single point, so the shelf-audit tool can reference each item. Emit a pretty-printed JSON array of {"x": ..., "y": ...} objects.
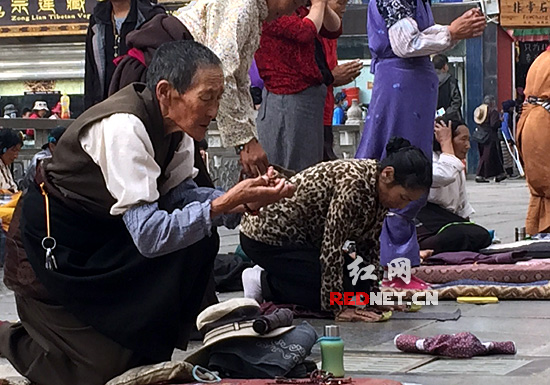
[{"x": 395, "y": 144}]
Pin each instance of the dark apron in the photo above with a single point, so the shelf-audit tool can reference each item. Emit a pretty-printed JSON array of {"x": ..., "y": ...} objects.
[{"x": 141, "y": 303}]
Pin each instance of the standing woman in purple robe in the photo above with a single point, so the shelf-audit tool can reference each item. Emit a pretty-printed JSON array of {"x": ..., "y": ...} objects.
[{"x": 402, "y": 36}]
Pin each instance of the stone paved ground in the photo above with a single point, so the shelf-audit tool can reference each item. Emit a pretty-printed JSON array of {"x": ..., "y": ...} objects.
[{"x": 369, "y": 347}]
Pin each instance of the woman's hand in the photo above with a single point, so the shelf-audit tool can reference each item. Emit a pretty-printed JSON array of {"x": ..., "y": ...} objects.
[
  {"x": 253, "y": 158},
  {"x": 471, "y": 24},
  {"x": 346, "y": 73},
  {"x": 255, "y": 193},
  {"x": 444, "y": 136}
]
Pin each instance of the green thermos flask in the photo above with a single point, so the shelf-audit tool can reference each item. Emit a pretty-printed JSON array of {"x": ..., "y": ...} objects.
[{"x": 332, "y": 351}]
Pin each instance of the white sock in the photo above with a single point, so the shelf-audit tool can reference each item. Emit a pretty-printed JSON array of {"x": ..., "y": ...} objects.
[{"x": 252, "y": 283}]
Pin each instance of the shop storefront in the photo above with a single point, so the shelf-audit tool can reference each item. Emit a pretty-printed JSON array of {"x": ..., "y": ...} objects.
[
  {"x": 527, "y": 22},
  {"x": 527, "y": 27},
  {"x": 42, "y": 51}
]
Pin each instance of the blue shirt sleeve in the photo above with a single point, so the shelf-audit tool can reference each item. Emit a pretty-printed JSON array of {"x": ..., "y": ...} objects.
[
  {"x": 338, "y": 116},
  {"x": 180, "y": 219}
]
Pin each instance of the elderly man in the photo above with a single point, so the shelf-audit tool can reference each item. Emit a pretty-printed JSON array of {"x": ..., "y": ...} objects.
[{"x": 118, "y": 233}]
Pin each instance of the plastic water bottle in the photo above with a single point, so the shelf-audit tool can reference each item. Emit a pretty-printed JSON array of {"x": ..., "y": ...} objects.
[
  {"x": 65, "y": 106},
  {"x": 332, "y": 351}
]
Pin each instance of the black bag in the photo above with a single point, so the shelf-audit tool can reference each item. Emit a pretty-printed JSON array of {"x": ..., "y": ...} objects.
[{"x": 481, "y": 136}]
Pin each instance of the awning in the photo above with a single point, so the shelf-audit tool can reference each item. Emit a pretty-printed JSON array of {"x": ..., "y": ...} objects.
[
  {"x": 530, "y": 34},
  {"x": 42, "y": 61}
]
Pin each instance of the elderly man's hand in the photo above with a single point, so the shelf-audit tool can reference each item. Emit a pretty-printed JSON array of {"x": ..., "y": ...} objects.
[
  {"x": 267, "y": 189},
  {"x": 255, "y": 193}
]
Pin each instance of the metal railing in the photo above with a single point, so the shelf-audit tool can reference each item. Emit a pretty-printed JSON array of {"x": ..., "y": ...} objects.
[{"x": 223, "y": 163}]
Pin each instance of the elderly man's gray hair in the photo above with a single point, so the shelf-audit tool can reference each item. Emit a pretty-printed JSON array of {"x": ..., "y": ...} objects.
[{"x": 177, "y": 62}]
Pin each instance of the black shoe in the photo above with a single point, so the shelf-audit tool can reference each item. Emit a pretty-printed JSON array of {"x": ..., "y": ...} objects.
[
  {"x": 500, "y": 178},
  {"x": 480, "y": 179}
]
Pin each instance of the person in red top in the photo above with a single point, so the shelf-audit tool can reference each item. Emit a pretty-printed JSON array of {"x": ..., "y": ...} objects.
[
  {"x": 343, "y": 74},
  {"x": 39, "y": 111},
  {"x": 292, "y": 64}
]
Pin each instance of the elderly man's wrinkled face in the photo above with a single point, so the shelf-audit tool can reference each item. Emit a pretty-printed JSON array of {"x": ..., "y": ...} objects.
[
  {"x": 193, "y": 110},
  {"x": 461, "y": 142}
]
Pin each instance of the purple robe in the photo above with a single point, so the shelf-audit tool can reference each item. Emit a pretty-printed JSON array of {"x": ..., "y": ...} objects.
[
  {"x": 403, "y": 103},
  {"x": 255, "y": 79}
]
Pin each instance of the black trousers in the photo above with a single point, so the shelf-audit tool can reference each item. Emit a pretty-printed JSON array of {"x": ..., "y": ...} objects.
[
  {"x": 328, "y": 146},
  {"x": 460, "y": 236},
  {"x": 292, "y": 275},
  {"x": 51, "y": 346}
]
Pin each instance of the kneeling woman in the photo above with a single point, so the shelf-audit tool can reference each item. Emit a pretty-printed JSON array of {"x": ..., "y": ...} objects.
[
  {"x": 299, "y": 241},
  {"x": 444, "y": 222}
]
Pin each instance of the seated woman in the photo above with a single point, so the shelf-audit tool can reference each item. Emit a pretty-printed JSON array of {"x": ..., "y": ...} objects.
[
  {"x": 298, "y": 242},
  {"x": 118, "y": 234},
  {"x": 445, "y": 220},
  {"x": 10, "y": 144}
]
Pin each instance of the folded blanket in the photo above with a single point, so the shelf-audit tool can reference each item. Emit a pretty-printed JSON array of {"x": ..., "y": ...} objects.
[
  {"x": 473, "y": 282},
  {"x": 528, "y": 271},
  {"x": 501, "y": 290},
  {"x": 533, "y": 248},
  {"x": 470, "y": 257}
]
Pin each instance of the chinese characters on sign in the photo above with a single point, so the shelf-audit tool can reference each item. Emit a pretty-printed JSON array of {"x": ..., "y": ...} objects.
[
  {"x": 525, "y": 13},
  {"x": 76, "y": 5},
  {"x": 44, "y": 17},
  {"x": 46, "y": 6},
  {"x": 20, "y": 6}
]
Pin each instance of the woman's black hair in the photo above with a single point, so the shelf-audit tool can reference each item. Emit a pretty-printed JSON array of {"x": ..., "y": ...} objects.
[
  {"x": 8, "y": 139},
  {"x": 412, "y": 169},
  {"x": 454, "y": 129}
]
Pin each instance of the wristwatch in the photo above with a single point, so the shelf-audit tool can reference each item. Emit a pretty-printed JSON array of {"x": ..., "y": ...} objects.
[{"x": 239, "y": 148}]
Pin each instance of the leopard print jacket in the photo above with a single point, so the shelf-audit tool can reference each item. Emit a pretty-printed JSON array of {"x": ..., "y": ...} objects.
[{"x": 334, "y": 202}]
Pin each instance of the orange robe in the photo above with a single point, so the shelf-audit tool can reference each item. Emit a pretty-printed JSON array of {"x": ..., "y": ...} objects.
[{"x": 534, "y": 144}]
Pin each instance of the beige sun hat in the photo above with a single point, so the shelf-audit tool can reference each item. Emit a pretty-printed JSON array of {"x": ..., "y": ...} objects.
[
  {"x": 480, "y": 113},
  {"x": 229, "y": 319},
  {"x": 40, "y": 105}
]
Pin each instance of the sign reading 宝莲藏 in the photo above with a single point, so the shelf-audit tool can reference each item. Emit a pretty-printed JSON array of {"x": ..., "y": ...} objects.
[
  {"x": 44, "y": 17},
  {"x": 525, "y": 13}
]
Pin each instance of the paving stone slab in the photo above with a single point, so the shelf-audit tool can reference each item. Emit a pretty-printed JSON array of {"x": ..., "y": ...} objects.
[{"x": 485, "y": 366}]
